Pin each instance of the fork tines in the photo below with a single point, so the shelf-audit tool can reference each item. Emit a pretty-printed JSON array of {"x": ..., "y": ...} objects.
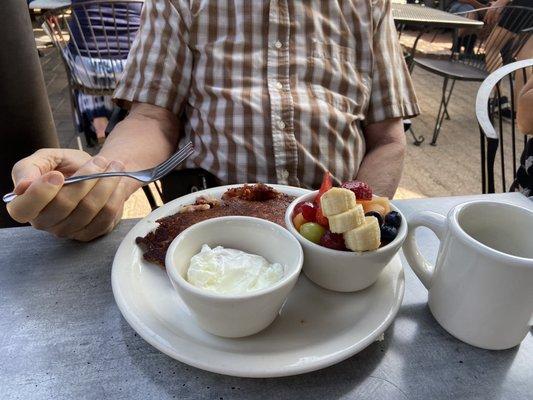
[{"x": 175, "y": 159}]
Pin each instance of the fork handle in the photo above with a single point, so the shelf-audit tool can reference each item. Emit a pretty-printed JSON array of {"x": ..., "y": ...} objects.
[
  {"x": 73, "y": 179},
  {"x": 79, "y": 178}
]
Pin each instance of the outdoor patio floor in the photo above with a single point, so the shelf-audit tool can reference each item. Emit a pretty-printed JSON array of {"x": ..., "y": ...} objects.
[{"x": 450, "y": 168}]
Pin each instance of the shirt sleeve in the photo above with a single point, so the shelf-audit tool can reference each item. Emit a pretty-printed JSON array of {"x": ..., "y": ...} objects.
[
  {"x": 392, "y": 94},
  {"x": 159, "y": 65}
]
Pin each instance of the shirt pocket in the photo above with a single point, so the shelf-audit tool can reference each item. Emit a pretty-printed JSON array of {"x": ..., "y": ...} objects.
[{"x": 332, "y": 78}]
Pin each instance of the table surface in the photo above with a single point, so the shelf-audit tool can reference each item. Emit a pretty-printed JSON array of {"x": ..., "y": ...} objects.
[
  {"x": 63, "y": 337},
  {"x": 48, "y": 4},
  {"x": 418, "y": 15}
]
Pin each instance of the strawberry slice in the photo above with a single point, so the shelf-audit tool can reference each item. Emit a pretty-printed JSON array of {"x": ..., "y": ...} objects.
[
  {"x": 321, "y": 219},
  {"x": 326, "y": 185}
]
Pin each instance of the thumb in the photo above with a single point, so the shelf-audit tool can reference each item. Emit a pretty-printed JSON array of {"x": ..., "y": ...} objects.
[{"x": 28, "y": 169}]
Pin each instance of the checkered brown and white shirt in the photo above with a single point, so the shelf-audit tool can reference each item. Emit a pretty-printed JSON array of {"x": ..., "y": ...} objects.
[{"x": 271, "y": 91}]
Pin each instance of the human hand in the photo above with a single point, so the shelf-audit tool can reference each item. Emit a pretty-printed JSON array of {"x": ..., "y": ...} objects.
[
  {"x": 81, "y": 211},
  {"x": 493, "y": 13}
]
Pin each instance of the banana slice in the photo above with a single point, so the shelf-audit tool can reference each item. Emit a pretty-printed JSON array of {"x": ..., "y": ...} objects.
[
  {"x": 365, "y": 237},
  {"x": 347, "y": 220},
  {"x": 336, "y": 201}
]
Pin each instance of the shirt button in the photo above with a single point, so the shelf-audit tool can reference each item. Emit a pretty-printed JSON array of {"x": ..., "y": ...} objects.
[
  {"x": 279, "y": 85},
  {"x": 281, "y": 125},
  {"x": 278, "y": 45},
  {"x": 285, "y": 174}
]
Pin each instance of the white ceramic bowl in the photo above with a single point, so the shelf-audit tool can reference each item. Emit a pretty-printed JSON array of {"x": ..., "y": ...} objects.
[
  {"x": 343, "y": 271},
  {"x": 239, "y": 315}
]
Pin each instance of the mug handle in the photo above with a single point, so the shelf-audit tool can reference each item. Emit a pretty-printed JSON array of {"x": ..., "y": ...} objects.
[{"x": 422, "y": 267}]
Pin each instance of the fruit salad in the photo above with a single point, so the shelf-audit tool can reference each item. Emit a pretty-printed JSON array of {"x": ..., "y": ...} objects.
[{"x": 347, "y": 218}]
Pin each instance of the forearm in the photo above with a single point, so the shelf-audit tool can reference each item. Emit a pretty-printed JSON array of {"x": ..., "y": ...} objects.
[
  {"x": 383, "y": 162},
  {"x": 500, "y": 3},
  {"x": 145, "y": 138}
]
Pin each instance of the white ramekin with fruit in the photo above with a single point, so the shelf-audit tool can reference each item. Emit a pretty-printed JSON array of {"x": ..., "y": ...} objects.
[{"x": 348, "y": 235}]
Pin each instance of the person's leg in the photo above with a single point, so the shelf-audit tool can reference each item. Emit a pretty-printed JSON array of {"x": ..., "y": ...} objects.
[
  {"x": 103, "y": 106},
  {"x": 99, "y": 125},
  {"x": 467, "y": 11},
  {"x": 94, "y": 109}
]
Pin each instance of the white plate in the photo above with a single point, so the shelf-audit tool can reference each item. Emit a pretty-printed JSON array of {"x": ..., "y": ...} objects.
[{"x": 316, "y": 328}]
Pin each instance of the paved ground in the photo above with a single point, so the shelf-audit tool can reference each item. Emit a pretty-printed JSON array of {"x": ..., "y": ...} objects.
[{"x": 451, "y": 168}]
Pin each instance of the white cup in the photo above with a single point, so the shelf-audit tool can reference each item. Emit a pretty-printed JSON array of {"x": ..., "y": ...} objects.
[{"x": 481, "y": 288}]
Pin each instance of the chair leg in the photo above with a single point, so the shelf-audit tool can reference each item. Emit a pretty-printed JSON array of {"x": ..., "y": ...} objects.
[
  {"x": 411, "y": 57},
  {"x": 417, "y": 141},
  {"x": 447, "y": 115},
  {"x": 150, "y": 197},
  {"x": 440, "y": 114}
]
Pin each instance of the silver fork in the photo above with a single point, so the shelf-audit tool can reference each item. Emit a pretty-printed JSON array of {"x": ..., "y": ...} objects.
[{"x": 146, "y": 175}]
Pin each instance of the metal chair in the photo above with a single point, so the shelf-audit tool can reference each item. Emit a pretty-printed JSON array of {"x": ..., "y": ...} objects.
[
  {"x": 472, "y": 58},
  {"x": 93, "y": 39},
  {"x": 494, "y": 133},
  {"x": 407, "y": 124}
]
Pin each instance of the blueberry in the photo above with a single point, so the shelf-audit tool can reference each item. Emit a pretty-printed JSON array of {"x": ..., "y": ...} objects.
[
  {"x": 388, "y": 233},
  {"x": 375, "y": 214},
  {"x": 393, "y": 219}
]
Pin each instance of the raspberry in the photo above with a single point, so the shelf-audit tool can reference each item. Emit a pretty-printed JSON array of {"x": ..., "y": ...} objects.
[{"x": 361, "y": 190}]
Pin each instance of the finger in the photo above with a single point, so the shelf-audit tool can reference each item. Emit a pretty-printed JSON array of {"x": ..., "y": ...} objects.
[
  {"x": 90, "y": 205},
  {"x": 36, "y": 165},
  {"x": 69, "y": 197},
  {"x": 22, "y": 186},
  {"x": 106, "y": 220},
  {"x": 66, "y": 161},
  {"x": 36, "y": 197}
]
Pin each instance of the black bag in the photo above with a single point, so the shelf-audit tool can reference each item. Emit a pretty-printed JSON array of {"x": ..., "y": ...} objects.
[{"x": 181, "y": 182}]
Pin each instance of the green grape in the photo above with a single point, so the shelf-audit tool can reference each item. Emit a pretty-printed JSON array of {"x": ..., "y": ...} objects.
[{"x": 312, "y": 231}]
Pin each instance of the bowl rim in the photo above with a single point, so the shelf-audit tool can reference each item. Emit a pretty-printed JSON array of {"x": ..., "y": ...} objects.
[
  {"x": 402, "y": 233},
  {"x": 177, "y": 278}
]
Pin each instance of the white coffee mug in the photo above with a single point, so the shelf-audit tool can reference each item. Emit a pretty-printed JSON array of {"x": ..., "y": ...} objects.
[{"x": 481, "y": 287}]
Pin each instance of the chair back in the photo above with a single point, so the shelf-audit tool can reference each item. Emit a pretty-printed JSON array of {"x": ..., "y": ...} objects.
[
  {"x": 94, "y": 38},
  {"x": 491, "y": 47},
  {"x": 499, "y": 139}
]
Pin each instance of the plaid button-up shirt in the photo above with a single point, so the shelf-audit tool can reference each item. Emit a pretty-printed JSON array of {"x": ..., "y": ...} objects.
[{"x": 271, "y": 91}]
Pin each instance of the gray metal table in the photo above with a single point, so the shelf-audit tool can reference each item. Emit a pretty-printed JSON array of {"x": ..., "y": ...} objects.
[
  {"x": 62, "y": 337},
  {"x": 426, "y": 16},
  {"x": 48, "y": 4}
]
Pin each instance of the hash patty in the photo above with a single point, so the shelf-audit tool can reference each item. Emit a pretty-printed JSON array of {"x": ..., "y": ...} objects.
[{"x": 259, "y": 200}]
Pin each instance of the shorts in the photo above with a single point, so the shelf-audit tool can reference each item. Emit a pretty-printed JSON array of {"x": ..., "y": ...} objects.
[{"x": 458, "y": 7}]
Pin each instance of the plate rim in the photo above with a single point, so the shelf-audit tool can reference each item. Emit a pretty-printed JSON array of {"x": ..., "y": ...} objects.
[{"x": 144, "y": 330}]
